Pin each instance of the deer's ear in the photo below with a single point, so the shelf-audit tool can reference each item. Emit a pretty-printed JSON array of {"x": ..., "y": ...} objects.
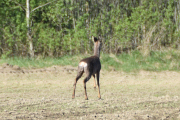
[
  {"x": 99, "y": 37},
  {"x": 93, "y": 38}
]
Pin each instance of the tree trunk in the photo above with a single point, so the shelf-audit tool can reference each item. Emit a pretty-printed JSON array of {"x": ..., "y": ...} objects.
[{"x": 29, "y": 37}]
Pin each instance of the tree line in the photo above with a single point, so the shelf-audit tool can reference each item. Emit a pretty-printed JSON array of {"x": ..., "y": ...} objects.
[{"x": 64, "y": 27}]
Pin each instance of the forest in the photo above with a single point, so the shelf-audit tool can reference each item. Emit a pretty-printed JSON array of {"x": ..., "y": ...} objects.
[{"x": 55, "y": 28}]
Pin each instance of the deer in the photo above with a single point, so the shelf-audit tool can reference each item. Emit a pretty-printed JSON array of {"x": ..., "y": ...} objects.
[{"x": 91, "y": 66}]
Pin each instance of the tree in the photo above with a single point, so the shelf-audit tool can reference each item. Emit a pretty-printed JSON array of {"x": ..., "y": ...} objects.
[{"x": 29, "y": 37}]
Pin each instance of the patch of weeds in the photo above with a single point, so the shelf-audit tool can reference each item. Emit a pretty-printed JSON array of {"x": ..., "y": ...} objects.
[{"x": 134, "y": 61}]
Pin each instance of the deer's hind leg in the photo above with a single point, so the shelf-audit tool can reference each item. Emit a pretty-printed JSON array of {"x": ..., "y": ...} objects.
[
  {"x": 79, "y": 74},
  {"x": 85, "y": 80}
]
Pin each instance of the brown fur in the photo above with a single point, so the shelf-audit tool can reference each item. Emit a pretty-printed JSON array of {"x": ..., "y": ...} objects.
[{"x": 91, "y": 66}]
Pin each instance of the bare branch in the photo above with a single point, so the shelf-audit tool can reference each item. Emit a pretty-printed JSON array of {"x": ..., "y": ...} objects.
[
  {"x": 42, "y": 6},
  {"x": 20, "y": 5}
]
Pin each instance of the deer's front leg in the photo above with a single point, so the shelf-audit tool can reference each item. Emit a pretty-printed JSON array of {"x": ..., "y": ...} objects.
[
  {"x": 94, "y": 82},
  {"x": 99, "y": 95}
]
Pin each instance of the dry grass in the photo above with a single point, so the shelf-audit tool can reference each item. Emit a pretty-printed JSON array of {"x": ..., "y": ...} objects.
[{"x": 47, "y": 95}]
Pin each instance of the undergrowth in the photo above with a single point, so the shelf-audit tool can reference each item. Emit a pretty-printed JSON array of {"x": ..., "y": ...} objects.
[{"x": 134, "y": 61}]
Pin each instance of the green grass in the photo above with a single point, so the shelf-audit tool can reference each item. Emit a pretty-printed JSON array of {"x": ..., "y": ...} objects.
[
  {"x": 156, "y": 61},
  {"x": 42, "y": 62}
]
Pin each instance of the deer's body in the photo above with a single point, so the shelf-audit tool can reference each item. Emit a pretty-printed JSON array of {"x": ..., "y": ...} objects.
[{"x": 91, "y": 66}]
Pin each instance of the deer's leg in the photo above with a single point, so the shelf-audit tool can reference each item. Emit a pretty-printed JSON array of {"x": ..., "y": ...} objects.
[
  {"x": 99, "y": 95},
  {"x": 85, "y": 80},
  {"x": 75, "y": 82},
  {"x": 94, "y": 82}
]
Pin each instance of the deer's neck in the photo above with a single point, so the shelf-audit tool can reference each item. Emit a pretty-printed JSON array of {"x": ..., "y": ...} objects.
[{"x": 96, "y": 50}]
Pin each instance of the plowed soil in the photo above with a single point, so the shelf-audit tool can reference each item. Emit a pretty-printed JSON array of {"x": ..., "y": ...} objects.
[{"x": 46, "y": 94}]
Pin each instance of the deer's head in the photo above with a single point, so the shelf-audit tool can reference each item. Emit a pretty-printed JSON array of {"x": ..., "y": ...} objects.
[
  {"x": 97, "y": 41},
  {"x": 97, "y": 45}
]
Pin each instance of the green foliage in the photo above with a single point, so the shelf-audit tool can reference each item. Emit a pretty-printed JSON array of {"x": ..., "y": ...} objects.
[{"x": 65, "y": 27}]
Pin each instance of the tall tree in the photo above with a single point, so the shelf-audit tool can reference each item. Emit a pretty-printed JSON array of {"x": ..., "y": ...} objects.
[{"x": 29, "y": 37}]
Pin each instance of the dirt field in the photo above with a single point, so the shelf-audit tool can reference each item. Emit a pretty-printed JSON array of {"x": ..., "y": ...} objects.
[{"x": 46, "y": 94}]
